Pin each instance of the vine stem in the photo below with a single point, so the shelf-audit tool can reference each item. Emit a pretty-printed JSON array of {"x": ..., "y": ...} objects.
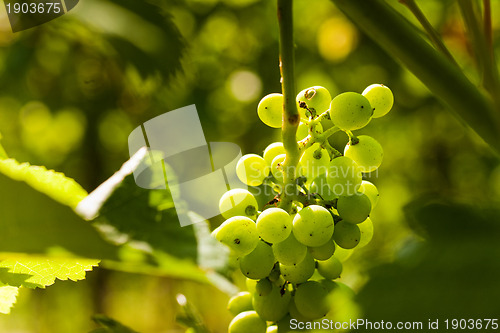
[
  {"x": 291, "y": 116},
  {"x": 431, "y": 32}
]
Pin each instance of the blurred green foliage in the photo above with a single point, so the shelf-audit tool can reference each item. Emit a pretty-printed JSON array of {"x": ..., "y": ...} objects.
[{"x": 72, "y": 90}]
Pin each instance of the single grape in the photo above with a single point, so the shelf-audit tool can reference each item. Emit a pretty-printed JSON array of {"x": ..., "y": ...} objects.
[
  {"x": 274, "y": 225},
  {"x": 274, "y": 306},
  {"x": 344, "y": 176},
  {"x": 371, "y": 192},
  {"x": 355, "y": 208},
  {"x": 311, "y": 300},
  {"x": 317, "y": 98},
  {"x": 330, "y": 269},
  {"x": 263, "y": 287},
  {"x": 324, "y": 251},
  {"x": 367, "y": 153},
  {"x": 350, "y": 111},
  {"x": 238, "y": 202},
  {"x": 259, "y": 263},
  {"x": 239, "y": 233},
  {"x": 320, "y": 186},
  {"x": 303, "y": 130},
  {"x": 247, "y": 322},
  {"x": 314, "y": 161},
  {"x": 381, "y": 99},
  {"x": 270, "y": 110},
  {"x": 251, "y": 169},
  {"x": 346, "y": 235},
  {"x": 240, "y": 302},
  {"x": 300, "y": 272},
  {"x": 289, "y": 251},
  {"x": 366, "y": 229},
  {"x": 313, "y": 226},
  {"x": 273, "y": 150},
  {"x": 276, "y": 167}
]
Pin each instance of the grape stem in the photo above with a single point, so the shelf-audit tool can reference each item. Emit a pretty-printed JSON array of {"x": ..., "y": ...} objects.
[{"x": 291, "y": 116}]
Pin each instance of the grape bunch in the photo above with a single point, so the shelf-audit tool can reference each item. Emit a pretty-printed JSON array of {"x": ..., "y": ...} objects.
[{"x": 291, "y": 256}]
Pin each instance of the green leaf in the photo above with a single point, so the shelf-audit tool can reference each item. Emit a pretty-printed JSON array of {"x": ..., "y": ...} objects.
[
  {"x": 8, "y": 296},
  {"x": 147, "y": 219},
  {"x": 110, "y": 325},
  {"x": 33, "y": 272},
  {"x": 33, "y": 222},
  {"x": 142, "y": 33},
  {"x": 53, "y": 184},
  {"x": 453, "y": 274},
  {"x": 401, "y": 39}
]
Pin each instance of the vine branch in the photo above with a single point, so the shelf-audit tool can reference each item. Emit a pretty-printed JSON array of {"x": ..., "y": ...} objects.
[{"x": 291, "y": 116}]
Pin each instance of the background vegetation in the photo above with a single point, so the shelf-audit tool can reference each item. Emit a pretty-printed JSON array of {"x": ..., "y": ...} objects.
[{"x": 73, "y": 89}]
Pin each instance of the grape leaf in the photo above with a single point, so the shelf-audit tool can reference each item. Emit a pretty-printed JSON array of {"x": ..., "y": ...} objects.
[
  {"x": 8, "y": 296},
  {"x": 54, "y": 184},
  {"x": 39, "y": 272}
]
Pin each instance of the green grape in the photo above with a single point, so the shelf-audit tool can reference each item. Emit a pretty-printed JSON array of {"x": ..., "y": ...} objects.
[
  {"x": 251, "y": 285},
  {"x": 247, "y": 322},
  {"x": 273, "y": 150},
  {"x": 270, "y": 110},
  {"x": 303, "y": 130},
  {"x": 272, "y": 329},
  {"x": 240, "y": 302},
  {"x": 324, "y": 251},
  {"x": 366, "y": 229},
  {"x": 344, "y": 176},
  {"x": 350, "y": 111},
  {"x": 251, "y": 169},
  {"x": 381, "y": 99},
  {"x": 311, "y": 300},
  {"x": 314, "y": 161},
  {"x": 289, "y": 251},
  {"x": 371, "y": 192},
  {"x": 343, "y": 254},
  {"x": 313, "y": 226},
  {"x": 238, "y": 202},
  {"x": 367, "y": 153},
  {"x": 274, "y": 225},
  {"x": 346, "y": 235},
  {"x": 263, "y": 287},
  {"x": 276, "y": 169},
  {"x": 355, "y": 208},
  {"x": 274, "y": 306},
  {"x": 320, "y": 186},
  {"x": 300, "y": 272},
  {"x": 239, "y": 233},
  {"x": 259, "y": 263},
  {"x": 330, "y": 269},
  {"x": 317, "y": 98}
]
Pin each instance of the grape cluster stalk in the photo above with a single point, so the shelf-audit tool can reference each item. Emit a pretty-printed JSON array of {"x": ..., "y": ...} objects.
[{"x": 291, "y": 256}]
